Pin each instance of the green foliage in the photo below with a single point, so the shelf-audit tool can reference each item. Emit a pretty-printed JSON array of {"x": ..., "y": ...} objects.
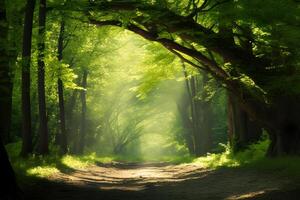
[
  {"x": 252, "y": 154},
  {"x": 36, "y": 166},
  {"x": 39, "y": 166},
  {"x": 252, "y": 158}
]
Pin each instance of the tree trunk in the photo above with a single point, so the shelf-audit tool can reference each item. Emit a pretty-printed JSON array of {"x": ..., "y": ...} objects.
[
  {"x": 43, "y": 128},
  {"x": 71, "y": 118},
  {"x": 243, "y": 130},
  {"x": 9, "y": 188},
  {"x": 63, "y": 134},
  {"x": 26, "y": 59},
  {"x": 199, "y": 120},
  {"x": 83, "y": 113},
  {"x": 5, "y": 79},
  {"x": 202, "y": 116},
  {"x": 285, "y": 130},
  {"x": 62, "y": 137},
  {"x": 194, "y": 117},
  {"x": 184, "y": 107}
]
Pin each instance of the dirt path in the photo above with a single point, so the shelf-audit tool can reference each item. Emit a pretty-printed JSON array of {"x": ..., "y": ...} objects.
[{"x": 162, "y": 181}]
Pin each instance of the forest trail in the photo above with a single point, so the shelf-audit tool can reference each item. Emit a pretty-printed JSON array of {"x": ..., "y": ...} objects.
[{"x": 153, "y": 181}]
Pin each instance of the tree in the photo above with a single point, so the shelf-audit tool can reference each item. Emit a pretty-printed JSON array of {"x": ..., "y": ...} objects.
[
  {"x": 10, "y": 189},
  {"x": 242, "y": 129},
  {"x": 196, "y": 113},
  {"x": 26, "y": 59},
  {"x": 43, "y": 128},
  {"x": 183, "y": 104},
  {"x": 201, "y": 114},
  {"x": 82, "y": 131},
  {"x": 245, "y": 73},
  {"x": 60, "y": 90},
  {"x": 5, "y": 80}
]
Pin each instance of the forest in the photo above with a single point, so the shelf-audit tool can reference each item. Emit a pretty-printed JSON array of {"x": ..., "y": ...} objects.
[{"x": 149, "y": 99}]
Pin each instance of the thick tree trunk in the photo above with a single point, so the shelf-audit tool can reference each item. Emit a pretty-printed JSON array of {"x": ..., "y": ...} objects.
[
  {"x": 242, "y": 130},
  {"x": 5, "y": 79},
  {"x": 63, "y": 133},
  {"x": 285, "y": 130},
  {"x": 83, "y": 113},
  {"x": 43, "y": 128},
  {"x": 26, "y": 59},
  {"x": 9, "y": 188},
  {"x": 201, "y": 116}
]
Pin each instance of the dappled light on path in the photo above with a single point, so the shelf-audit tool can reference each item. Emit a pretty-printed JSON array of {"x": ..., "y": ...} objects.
[
  {"x": 161, "y": 181},
  {"x": 134, "y": 176}
]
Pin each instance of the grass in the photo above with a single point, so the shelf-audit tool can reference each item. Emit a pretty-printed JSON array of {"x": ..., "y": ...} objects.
[
  {"x": 36, "y": 166},
  {"x": 45, "y": 166},
  {"x": 252, "y": 158},
  {"x": 252, "y": 154}
]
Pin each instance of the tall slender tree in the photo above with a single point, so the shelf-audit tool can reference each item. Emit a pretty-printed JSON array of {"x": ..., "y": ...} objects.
[
  {"x": 184, "y": 108},
  {"x": 60, "y": 89},
  {"x": 43, "y": 127},
  {"x": 26, "y": 59},
  {"x": 83, "y": 113}
]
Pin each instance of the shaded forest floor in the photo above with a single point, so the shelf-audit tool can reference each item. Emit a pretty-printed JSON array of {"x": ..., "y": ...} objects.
[{"x": 145, "y": 181}]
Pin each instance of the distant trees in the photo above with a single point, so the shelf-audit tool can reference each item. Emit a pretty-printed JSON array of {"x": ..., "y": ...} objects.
[{"x": 121, "y": 122}]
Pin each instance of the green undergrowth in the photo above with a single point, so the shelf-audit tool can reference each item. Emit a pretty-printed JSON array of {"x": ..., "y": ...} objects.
[
  {"x": 228, "y": 158},
  {"x": 176, "y": 159},
  {"x": 45, "y": 166},
  {"x": 253, "y": 158},
  {"x": 36, "y": 166}
]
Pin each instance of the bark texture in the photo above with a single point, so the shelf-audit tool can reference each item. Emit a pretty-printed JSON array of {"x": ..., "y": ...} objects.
[
  {"x": 26, "y": 59},
  {"x": 9, "y": 188},
  {"x": 60, "y": 88},
  {"x": 83, "y": 113},
  {"x": 243, "y": 130},
  {"x": 5, "y": 78},
  {"x": 43, "y": 125}
]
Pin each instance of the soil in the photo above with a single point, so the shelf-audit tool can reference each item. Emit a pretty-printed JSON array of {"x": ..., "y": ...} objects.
[{"x": 145, "y": 181}]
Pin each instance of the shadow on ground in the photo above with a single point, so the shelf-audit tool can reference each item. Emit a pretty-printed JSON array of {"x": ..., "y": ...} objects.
[{"x": 161, "y": 181}]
